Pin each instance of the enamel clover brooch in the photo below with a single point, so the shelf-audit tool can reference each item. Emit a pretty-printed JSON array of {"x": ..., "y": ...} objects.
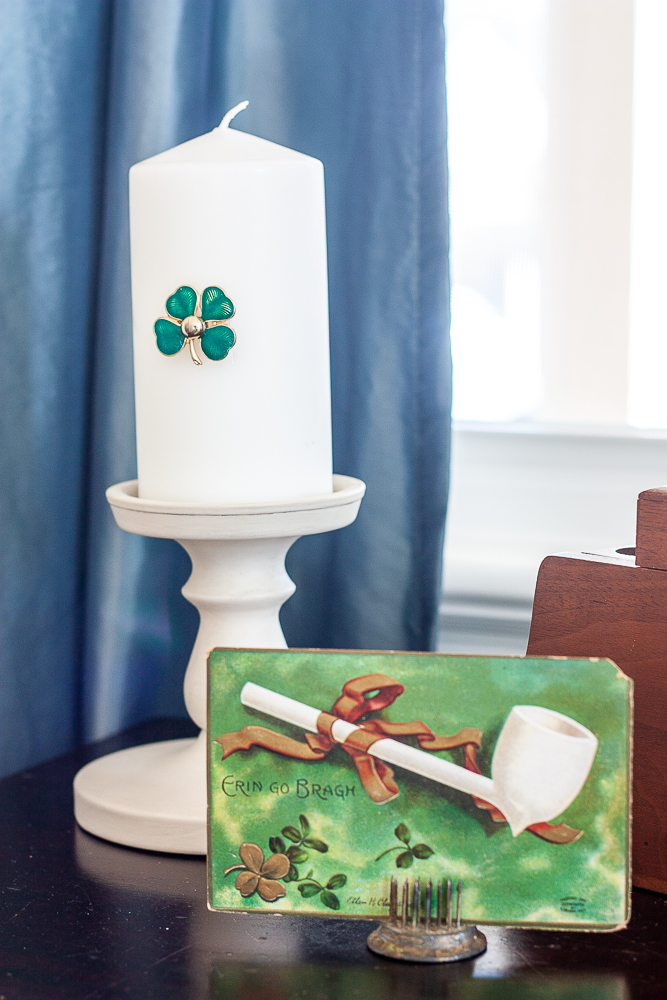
[{"x": 191, "y": 317}]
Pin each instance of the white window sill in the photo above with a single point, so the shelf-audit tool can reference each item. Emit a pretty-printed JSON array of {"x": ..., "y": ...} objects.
[
  {"x": 521, "y": 491},
  {"x": 533, "y": 428}
]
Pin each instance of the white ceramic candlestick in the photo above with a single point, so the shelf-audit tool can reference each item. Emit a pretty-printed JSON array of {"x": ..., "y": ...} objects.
[{"x": 154, "y": 796}]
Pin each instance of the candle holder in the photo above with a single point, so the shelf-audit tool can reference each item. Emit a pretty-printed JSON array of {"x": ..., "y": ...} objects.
[{"x": 154, "y": 796}]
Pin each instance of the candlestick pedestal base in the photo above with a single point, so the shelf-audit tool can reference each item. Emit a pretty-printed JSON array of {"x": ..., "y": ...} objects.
[{"x": 154, "y": 796}]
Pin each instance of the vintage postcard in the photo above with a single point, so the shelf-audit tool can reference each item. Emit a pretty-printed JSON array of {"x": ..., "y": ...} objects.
[{"x": 331, "y": 771}]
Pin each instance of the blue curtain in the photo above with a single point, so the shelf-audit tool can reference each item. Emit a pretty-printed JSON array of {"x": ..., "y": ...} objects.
[{"x": 94, "y": 634}]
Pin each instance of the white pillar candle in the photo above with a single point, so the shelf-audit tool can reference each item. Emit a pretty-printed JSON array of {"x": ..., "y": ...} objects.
[{"x": 231, "y": 211}]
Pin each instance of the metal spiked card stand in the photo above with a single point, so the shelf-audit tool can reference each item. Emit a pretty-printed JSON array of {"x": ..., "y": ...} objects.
[
  {"x": 154, "y": 796},
  {"x": 414, "y": 933}
]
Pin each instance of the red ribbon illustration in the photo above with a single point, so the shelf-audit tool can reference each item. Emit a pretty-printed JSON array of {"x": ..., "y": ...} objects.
[{"x": 360, "y": 696}]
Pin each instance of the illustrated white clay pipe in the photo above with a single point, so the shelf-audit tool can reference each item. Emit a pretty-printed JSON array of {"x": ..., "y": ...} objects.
[{"x": 540, "y": 762}]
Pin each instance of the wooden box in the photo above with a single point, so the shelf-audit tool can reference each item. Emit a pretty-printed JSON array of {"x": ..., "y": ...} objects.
[{"x": 614, "y": 603}]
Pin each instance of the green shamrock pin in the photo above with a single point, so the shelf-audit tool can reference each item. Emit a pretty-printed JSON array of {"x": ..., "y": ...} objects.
[{"x": 191, "y": 318}]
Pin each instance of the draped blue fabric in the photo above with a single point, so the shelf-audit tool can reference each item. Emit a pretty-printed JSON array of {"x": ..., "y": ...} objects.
[{"x": 94, "y": 634}]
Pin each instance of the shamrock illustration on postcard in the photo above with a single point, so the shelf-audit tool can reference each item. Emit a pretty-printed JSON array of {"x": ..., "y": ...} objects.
[{"x": 330, "y": 772}]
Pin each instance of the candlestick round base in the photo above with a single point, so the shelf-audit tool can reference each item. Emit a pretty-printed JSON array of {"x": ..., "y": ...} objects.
[
  {"x": 151, "y": 796},
  {"x": 154, "y": 796}
]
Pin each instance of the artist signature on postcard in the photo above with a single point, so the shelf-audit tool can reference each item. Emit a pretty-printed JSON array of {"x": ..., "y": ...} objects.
[{"x": 371, "y": 901}]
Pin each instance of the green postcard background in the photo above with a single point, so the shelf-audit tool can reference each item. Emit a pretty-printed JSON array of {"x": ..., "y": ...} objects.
[{"x": 522, "y": 880}]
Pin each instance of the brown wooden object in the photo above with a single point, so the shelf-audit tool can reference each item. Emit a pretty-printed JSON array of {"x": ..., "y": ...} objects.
[
  {"x": 651, "y": 550},
  {"x": 614, "y": 603}
]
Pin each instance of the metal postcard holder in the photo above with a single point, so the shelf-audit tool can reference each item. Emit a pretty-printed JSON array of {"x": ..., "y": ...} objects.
[{"x": 415, "y": 935}]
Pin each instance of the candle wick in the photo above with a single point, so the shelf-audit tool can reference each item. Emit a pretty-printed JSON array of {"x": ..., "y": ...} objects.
[{"x": 233, "y": 113}]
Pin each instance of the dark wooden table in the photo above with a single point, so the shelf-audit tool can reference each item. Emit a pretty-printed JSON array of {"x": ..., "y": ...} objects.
[{"x": 82, "y": 919}]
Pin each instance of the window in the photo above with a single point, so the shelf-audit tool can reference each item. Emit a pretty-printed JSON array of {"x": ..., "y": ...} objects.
[
  {"x": 558, "y": 199},
  {"x": 647, "y": 398},
  {"x": 558, "y": 210},
  {"x": 497, "y": 142}
]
